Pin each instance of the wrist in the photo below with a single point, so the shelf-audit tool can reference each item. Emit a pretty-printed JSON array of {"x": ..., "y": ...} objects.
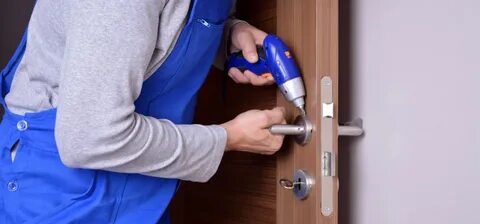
[{"x": 231, "y": 139}]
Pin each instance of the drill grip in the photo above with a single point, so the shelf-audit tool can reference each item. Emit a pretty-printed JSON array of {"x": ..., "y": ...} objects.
[
  {"x": 259, "y": 68},
  {"x": 274, "y": 58}
]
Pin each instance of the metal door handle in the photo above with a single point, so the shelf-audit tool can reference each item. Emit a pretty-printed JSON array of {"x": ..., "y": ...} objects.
[
  {"x": 287, "y": 129},
  {"x": 353, "y": 128},
  {"x": 302, "y": 129}
]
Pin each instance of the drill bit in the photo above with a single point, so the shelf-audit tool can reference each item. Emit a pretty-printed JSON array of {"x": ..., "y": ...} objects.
[{"x": 302, "y": 111}]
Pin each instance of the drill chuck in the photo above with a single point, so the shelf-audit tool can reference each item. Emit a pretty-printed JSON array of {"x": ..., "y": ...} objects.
[{"x": 294, "y": 91}]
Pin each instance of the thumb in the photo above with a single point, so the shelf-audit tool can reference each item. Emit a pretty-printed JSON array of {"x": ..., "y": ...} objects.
[{"x": 248, "y": 47}]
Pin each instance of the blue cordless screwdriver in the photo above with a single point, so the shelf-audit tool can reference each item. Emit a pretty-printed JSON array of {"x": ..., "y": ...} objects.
[{"x": 274, "y": 59}]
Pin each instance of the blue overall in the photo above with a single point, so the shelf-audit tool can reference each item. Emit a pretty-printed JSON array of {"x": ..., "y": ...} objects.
[{"x": 38, "y": 188}]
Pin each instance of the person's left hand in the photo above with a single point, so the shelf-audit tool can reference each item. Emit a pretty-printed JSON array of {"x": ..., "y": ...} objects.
[{"x": 245, "y": 38}]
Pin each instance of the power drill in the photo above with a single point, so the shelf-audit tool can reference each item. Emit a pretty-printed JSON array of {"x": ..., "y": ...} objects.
[{"x": 274, "y": 59}]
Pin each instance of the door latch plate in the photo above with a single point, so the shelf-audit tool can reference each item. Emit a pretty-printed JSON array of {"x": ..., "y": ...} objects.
[{"x": 326, "y": 150}]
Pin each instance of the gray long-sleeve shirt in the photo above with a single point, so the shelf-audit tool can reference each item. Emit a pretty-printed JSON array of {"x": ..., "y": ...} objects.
[{"x": 89, "y": 59}]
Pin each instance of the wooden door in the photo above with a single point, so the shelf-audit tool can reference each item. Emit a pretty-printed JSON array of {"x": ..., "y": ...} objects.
[
  {"x": 245, "y": 189},
  {"x": 310, "y": 28}
]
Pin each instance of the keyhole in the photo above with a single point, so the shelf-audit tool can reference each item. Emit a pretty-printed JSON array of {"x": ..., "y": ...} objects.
[{"x": 299, "y": 181}]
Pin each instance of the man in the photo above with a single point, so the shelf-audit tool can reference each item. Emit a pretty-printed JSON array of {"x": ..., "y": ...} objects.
[{"x": 98, "y": 102}]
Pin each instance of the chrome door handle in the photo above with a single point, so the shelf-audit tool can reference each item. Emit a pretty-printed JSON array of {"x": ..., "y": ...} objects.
[
  {"x": 287, "y": 129},
  {"x": 352, "y": 128},
  {"x": 302, "y": 129}
]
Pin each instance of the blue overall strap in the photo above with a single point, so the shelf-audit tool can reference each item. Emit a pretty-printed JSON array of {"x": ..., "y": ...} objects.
[{"x": 9, "y": 71}]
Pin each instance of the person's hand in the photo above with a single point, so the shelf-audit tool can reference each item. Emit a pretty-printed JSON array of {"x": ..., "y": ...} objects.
[
  {"x": 245, "y": 38},
  {"x": 249, "y": 131}
]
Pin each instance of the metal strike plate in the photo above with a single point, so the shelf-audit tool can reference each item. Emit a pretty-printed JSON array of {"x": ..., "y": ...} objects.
[
  {"x": 328, "y": 181},
  {"x": 302, "y": 190}
]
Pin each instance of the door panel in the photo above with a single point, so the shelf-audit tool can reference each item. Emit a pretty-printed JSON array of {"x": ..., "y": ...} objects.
[
  {"x": 310, "y": 28},
  {"x": 245, "y": 189}
]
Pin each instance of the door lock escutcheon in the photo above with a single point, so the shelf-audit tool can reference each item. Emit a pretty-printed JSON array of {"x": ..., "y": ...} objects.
[{"x": 300, "y": 185}]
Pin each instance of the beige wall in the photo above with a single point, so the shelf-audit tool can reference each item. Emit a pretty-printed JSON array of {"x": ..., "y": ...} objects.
[{"x": 411, "y": 70}]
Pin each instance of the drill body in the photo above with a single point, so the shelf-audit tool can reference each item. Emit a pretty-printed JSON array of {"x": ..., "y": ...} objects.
[{"x": 276, "y": 60}]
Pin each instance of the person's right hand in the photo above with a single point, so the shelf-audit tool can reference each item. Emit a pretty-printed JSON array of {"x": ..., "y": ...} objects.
[{"x": 249, "y": 131}]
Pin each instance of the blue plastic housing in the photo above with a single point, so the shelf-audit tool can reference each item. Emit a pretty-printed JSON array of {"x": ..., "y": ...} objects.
[
  {"x": 238, "y": 61},
  {"x": 276, "y": 59}
]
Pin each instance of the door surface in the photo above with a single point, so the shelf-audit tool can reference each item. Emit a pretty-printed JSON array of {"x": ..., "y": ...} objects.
[
  {"x": 310, "y": 27},
  {"x": 246, "y": 188}
]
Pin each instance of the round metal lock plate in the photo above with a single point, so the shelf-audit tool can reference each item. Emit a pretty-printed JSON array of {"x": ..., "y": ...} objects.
[
  {"x": 302, "y": 121},
  {"x": 302, "y": 190}
]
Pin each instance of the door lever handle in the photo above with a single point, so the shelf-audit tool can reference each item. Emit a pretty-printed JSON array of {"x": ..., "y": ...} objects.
[
  {"x": 301, "y": 129},
  {"x": 352, "y": 128},
  {"x": 287, "y": 129}
]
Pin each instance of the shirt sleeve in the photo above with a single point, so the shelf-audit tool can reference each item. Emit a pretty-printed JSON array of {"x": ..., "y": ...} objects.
[{"x": 108, "y": 47}]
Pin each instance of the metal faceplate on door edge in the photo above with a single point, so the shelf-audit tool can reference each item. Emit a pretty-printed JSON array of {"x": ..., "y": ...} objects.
[{"x": 327, "y": 154}]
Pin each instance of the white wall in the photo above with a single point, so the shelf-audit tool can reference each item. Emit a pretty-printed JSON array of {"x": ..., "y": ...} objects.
[{"x": 415, "y": 80}]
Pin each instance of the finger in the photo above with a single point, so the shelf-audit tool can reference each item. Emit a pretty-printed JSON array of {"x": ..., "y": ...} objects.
[
  {"x": 237, "y": 76},
  {"x": 258, "y": 80},
  {"x": 275, "y": 116},
  {"x": 271, "y": 142},
  {"x": 278, "y": 141},
  {"x": 275, "y": 143},
  {"x": 281, "y": 109},
  {"x": 269, "y": 77},
  {"x": 246, "y": 41},
  {"x": 259, "y": 36},
  {"x": 232, "y": 77}
]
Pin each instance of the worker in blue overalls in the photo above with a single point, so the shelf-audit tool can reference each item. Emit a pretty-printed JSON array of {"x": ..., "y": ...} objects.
[{"x": 99, "y": 99}]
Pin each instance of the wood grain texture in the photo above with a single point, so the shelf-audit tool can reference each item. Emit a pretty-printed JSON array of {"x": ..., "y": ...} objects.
[
  {"x": 244, "y": 189},
  {"x": 310, "y": 28}
]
